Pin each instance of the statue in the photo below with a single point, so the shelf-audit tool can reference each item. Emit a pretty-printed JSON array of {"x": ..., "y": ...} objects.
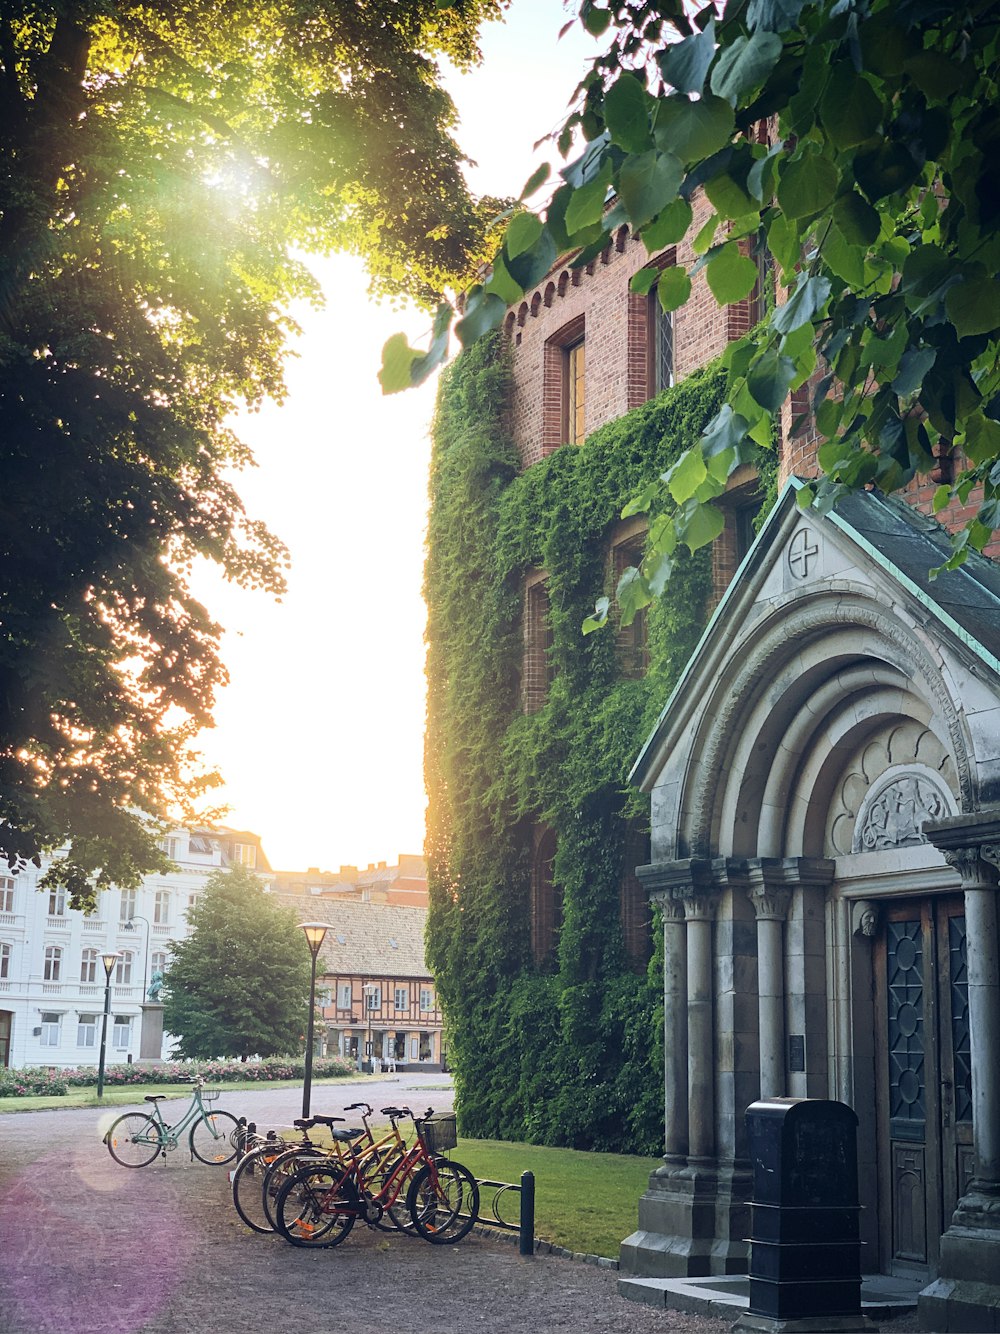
[{"x": 155, "y": 986}]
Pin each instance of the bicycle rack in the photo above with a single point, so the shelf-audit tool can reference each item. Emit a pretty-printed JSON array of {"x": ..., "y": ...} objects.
[{"x": 525, "y": 1226}]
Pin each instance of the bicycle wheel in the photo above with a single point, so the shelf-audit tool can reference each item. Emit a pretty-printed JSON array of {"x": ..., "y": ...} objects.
[
  {"x": 210, "y": 1138},
  {"x": 317, "y": 1206},
  {"x": 443, "y": 1202},
  {"x": 277, "y": 1173},
  {"x": 134, "y": 1139},
  {"x": 248, "y": 1187}
]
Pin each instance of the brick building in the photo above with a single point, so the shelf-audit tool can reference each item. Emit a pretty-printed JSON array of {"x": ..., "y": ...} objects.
[{"x": 825, "y": 820}]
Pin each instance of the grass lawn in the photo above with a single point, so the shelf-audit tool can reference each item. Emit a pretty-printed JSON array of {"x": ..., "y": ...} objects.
[
  {"x": 583, "y": 1201},
  {"x": 116, "y": 1096}
]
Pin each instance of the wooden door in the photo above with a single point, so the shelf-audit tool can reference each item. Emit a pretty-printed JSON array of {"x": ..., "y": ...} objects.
[{"x": 924, "y": 1094}]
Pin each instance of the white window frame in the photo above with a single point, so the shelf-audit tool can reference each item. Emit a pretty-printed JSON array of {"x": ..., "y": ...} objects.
[
  {"x": 123, "y": 969},
  {"x": 126, "y": 910},
  {"x": 426, "y": 999},
  {"x": 86, "y": 1030},
  {"x": 344, "y": 996},
  {"x": 5, "y": 953},
  {"x": 403, "y": 1004},
  {"x": 158, "y": 962},
  {"x": 245, "y": 854},
  {"x": 7, "y": 893},
  {"x": 57, "y": 901},
  {"x": 161, "y": 907},
  {"x": 88, "y": 965},
  {"x": 52, "y": 966},
  {"x": 121, "y": 1032},
  {"x": 373, "y": 998},
  {"x": 51, "y": 1025}
]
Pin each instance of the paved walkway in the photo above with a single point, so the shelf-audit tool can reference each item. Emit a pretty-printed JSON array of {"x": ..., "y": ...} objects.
[{"x": 88, "y": 1247}]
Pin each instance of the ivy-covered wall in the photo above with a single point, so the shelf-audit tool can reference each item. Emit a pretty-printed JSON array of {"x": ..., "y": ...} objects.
[{"x": 569, "y": 1052}]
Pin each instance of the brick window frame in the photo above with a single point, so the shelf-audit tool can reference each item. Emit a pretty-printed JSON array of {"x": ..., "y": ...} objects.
[
  {"x": 546, "y": 899},
  {"x": 628, "y": 542},
  {"x": 555, "y": 383},
  {"x": 635, "y": 912},
  {"x": 739, "y": 503},
  {"x": 642, "y": 316},
  {"x": 537, "y": 670}
]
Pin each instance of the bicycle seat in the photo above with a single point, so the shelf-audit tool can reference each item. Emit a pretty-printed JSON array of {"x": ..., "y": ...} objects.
[
  {"x": 154, "y": 1097},
  {"x": 304, "y": 1123},
  {"x": 326, "y": 1120},
  {"x": 345, "y": 1135}
]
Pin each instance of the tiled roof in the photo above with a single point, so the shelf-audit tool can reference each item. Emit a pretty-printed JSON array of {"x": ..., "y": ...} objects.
[{"x": 361, "y": 934}]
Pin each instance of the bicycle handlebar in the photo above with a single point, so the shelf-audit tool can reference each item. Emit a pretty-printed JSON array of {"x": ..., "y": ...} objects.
[{"x": 363, "y": 1107}]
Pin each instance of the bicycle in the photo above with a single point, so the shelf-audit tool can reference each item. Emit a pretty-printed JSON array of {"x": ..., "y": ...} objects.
[
  {"x": 262, "y": 1171},
  {"x": 136, "y": 1138},
  {"x": 320, "y": 1204}
]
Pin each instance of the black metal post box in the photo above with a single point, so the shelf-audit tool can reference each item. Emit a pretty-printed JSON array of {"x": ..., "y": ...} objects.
[{"x": 805, "y": 1247}]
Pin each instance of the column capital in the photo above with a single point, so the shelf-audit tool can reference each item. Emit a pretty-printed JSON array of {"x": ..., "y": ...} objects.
[
  {"x": 676, "y": 880},
  {"x": 977, "y": 866},
  {"x": 701, "y": 907},
  {"x": 770, "y": 902}
]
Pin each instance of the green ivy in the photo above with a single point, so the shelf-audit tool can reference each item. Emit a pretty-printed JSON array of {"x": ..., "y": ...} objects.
[{"x": 570, "y": 1052}]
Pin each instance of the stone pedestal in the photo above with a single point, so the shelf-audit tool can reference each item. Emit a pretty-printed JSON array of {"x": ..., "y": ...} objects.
[
  {"x": 693, "y": 1222},
  {"x": 965, "y": 1298},
  {"x": 151, "y": 1040}
]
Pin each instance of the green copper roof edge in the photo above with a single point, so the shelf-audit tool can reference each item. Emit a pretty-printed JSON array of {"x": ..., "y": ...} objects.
[
  {"x": 935, "y": 608},
  {"x": 770, "y": 522},
  {"x": 794, "y": 484}
]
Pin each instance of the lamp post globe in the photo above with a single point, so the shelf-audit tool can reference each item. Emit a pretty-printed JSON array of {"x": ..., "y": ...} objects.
[
  {"x": 314, "y": 933},
  {"x": 109, "y": 960}
]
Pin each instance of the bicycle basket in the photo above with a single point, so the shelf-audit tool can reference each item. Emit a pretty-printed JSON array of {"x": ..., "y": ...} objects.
[
  {"x": 210, "y": 1095},
  {"x": 440, "y": 1132}
]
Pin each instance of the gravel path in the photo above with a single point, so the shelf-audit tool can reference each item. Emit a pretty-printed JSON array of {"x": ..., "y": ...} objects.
[{"x": 88, "y": 1247}]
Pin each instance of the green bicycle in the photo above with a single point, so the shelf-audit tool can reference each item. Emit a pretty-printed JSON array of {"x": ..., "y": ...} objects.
[{"x": 136, "y": 1138}]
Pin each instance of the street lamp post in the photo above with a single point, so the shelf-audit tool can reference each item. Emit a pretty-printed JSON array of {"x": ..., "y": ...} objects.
[
  {"x": 109, "y": 960},
  {"x": 315, "y": 931},
  {"x": 368, "y": 990}
]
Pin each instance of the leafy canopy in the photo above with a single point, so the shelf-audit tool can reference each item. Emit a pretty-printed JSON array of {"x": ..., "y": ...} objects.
[
  {"x": 160, "y": 166},
  {"x": 239, "y": 985},
  {"x": 878, "y": 200}
]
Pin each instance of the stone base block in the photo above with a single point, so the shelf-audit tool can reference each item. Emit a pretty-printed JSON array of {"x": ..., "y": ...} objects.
[
  {"x": 965, "y": 1297},
  {"x": 693, "y": 1222},
  {"x": 815, "y": 1324}
]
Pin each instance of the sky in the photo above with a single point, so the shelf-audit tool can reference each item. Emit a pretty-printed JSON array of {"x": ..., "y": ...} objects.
[{"x": 319, "y": 735}]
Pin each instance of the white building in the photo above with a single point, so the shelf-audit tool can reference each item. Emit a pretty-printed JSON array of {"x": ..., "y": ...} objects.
[{"x": 52, "y": 976}]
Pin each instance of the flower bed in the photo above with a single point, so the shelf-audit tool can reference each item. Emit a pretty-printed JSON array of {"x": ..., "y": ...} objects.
[{"x": 34, "y": 1080}]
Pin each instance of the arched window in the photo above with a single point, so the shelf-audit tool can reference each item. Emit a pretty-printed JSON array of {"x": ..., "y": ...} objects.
[
  {"x": 158, "y": 961},
  {"x": 88, "y": 966},
  {"x": 546, "y": 899},
  {"x": 4, "y": 961}
]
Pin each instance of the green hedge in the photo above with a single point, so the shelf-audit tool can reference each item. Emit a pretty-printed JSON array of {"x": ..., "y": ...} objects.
[
  {"x": 570, "y": 1053},
  {"x": 33, "y": 1080}
]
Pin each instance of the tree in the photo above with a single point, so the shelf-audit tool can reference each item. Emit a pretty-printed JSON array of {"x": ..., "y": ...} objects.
[
  {"x": 239, "y": 984},
  {"x": 878, "y": 200},
  {"x": 159, "y": 166}
]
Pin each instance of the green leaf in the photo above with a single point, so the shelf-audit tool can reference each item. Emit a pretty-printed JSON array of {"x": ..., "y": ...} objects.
[
  {"x": 745, "y": 65},
  {"x": 644, "y": 281},
  {"x": 536, "y": 179},
  {"x": 731, "y": 276},
  {"x": 982, "y": 438},
  {"x": 727, "y": 430},
  {"x": 887, "y": 170},
  {"x": 846, "y": 260},
  {"x": 942, "y": 497},
  {"x": 647, "y": 184},
  {"x": 701, "y": 526},
  {"x": 502, "y": 284},
  {"x": 728, "y": 197},
  {"x": 522, "y": 233},
  {"x": 533, "y": 264},
  {"x": 686, "y": 475},
  {"x": 586, "y": 204},
  {"x": 626, "y": 114},
  {"x": 684, "y": 64},
  {"x": 632, "y": 594},
  {"x": 706, "y": 235},
  {"x": 397, "y": 358},
  {"x": 483, "y": 313},
  {"x": 850, "y": 109},
  {"x": 784, "y": 242},
  {"x": 803, "y": 305},
  {"x": 669, "y": 227},
  {"x": 769, "y": 379},
  {"x": 774, "y": 15},
  {"x": 693, "y": 130},
  {"x": 423, "y": 366},
  {"x": 600, "y": 616},
  {"x": 913, "y": 366},
  {"x": 807, "y": 185},
  {"x": 639, "y": 504},
  {"x": 974, "y": 306},
  {"x": 659, "y": 569},
  {"x": 856, "y": 220},
  {"x": 674, "y": 287},
  {"x": 596, "y": 21}
]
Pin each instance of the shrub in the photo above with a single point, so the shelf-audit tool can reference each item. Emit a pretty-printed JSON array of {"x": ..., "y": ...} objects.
[{"x": 41, "y": 1080}]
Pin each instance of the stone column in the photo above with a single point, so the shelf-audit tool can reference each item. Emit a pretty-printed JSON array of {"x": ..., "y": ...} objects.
[
  {"x": 675, "y": 1023},
  {"x": 966, "y": 1293},
  {"x": 700, "y": 912},
  {"x": 770, "y": 903},
  {"x": 978, "y": 867}
]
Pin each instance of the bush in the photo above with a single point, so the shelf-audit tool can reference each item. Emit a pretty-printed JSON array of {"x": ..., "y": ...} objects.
[{"x": 38, "y": 1079}]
